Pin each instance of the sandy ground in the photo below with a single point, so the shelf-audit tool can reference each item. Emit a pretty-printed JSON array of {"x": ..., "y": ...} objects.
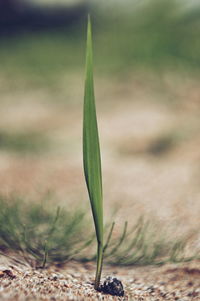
[{"x": 75, "y": 282}]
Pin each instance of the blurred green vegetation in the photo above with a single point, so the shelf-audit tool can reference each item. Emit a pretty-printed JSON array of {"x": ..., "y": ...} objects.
[
  {"x": 155, "y": 33},
  {"x": 39, "y": 57},
  {"x": 152, "y": 34},
  {"x": 36, "y": 231},
  {"x": 23, "y": 142},
  {"x": 40, "y": 233}
]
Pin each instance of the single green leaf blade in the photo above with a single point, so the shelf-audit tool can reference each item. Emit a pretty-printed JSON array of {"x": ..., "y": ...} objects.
[{"x": 91, "y": 148}]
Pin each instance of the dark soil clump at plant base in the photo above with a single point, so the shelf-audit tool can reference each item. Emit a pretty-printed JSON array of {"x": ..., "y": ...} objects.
[{"x": 112, "y": 286}]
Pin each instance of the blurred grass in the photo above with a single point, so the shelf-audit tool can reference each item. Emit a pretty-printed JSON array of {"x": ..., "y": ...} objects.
[
  {"x": 40, "y": 233},
  {"x": 38, "y": 59},
  {"x": 153, "y": 34},
  {"x": 34, "y": 229},
  {"x": 23, "y": 142}
]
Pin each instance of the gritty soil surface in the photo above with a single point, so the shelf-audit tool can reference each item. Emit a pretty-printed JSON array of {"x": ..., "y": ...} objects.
[{"x": 74, "y": 281}]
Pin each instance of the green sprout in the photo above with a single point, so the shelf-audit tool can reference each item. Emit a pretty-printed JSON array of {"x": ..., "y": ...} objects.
[{"x": 91, "y": 155}]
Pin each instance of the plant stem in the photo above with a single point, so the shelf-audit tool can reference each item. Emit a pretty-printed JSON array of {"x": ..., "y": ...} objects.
[
  {"x": 45, "y": 255},
  {"x": 99, "y": 265}
]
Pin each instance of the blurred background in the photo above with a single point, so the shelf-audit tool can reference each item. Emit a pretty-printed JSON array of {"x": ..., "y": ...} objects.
[{"x": 147, "y": 59}]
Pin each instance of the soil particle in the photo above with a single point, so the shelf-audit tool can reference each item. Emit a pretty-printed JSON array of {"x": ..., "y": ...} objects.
[
  {"x": 7, "y": 272},
  {"x": 112, "y": 286}
]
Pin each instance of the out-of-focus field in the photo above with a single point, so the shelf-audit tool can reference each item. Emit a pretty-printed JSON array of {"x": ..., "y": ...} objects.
[{"x": 148, "y": 102}]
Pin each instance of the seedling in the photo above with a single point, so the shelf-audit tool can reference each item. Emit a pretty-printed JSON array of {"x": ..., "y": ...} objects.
[
  {"x": 92, "y": 169},
  {"x": 91, "y": 155}
]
